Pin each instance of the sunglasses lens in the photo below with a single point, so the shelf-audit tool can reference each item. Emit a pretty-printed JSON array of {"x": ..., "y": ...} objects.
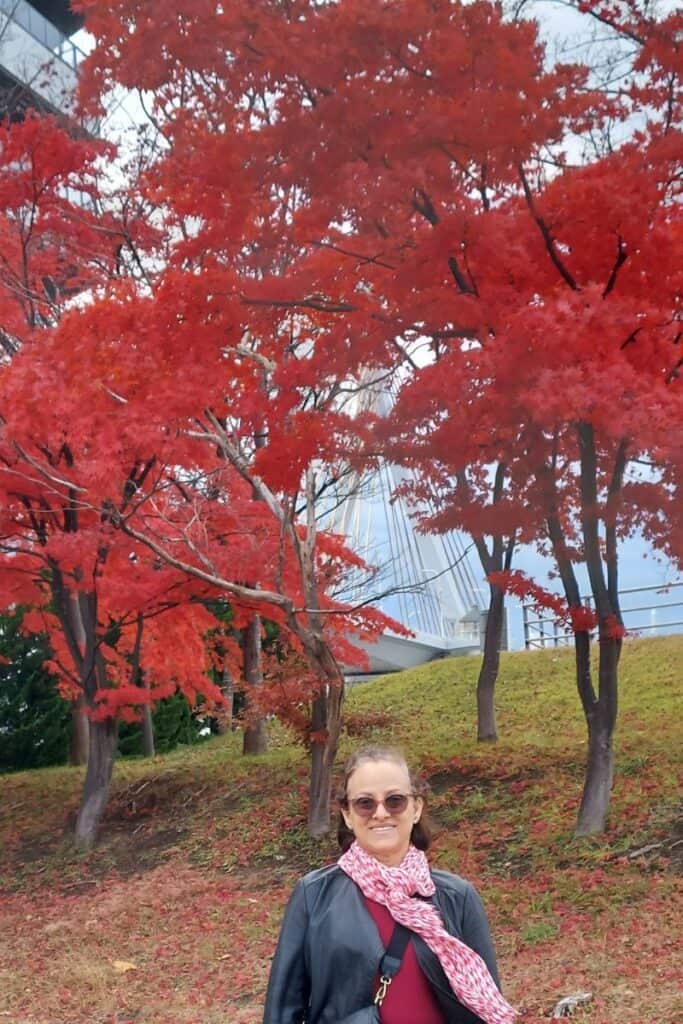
[
  {"x": 396, "y": 803},
  {"x": 364, "y": 806}
]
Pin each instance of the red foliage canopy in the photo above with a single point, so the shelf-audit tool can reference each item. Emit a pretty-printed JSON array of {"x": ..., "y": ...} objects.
[{"x": 338, "y": 190}]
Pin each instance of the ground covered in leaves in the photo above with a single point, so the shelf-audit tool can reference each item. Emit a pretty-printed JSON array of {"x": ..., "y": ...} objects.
[{"x": 173, "y": 917}]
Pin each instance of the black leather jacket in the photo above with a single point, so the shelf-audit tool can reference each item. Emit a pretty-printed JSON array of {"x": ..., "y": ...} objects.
[{"x": 329, "y": 950}]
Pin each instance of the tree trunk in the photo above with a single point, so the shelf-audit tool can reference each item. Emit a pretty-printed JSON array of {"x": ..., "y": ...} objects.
[
  {"x": 80, "y": 725},
  {"x": 138, "y": 678},
  {"x": 256, "y": 734},
  {"x": 103, "y": 735},
  {"x": 601, "y": 719},
  {"x": 147, "y": 732},
  {"x": 74, "y": 630},
  {"x": 224, "y": 719},
  {"x": 320, "y": 783},
  {"x": 597, "y": 787},
  {"x": 326, "y": 720},
  {"x": 601, "y": 714},
  {"x": 488, "y": 674},
  {"x": 584, "y": 675},
  {"x": 498, "y": 559},
  {"x": 103, "y": 739}
]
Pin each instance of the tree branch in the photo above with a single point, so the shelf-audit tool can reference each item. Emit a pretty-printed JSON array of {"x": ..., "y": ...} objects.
[
  {"x": 464, "y": 285},
  {"x": 315, "y": 302},
  {"x": 546, "y": 233},
  {"x": 622, "y": 256},
  {"x": 251, "y": 595}
]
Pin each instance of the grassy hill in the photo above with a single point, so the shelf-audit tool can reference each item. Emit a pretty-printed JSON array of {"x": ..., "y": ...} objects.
[{"x": 172, "y": 918}]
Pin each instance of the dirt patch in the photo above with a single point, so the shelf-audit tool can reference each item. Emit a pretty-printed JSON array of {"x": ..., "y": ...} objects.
[
  {"x": 513, "y": 864},
  {"x": 33, "y": 849},
  {"x": 146, "y": 823},
  {"x": 465, "y": 778},
  {"x": 358, "y": 724},
  {"x": 141, "y": 850},
  {"x": 159, "y": 840},
  {"x": 135, "y": 836},
  {"x": 450, "y": 778},
  {"x": 666, "y": 843},
  {"x": 141, "y": 799}
]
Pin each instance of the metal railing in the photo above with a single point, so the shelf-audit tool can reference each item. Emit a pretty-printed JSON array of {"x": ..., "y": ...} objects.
[
  {"x": 545, "y": 631},
  {"x": 38, "y": 26}
]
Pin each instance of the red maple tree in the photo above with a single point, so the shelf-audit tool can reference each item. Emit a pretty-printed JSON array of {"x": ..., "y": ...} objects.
[
  {"x": 144, "y": 470},
  {"x": 110, "y": 611}
]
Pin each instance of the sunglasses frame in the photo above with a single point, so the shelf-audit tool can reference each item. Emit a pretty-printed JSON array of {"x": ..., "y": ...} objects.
[{"x": 369, "y": 812}]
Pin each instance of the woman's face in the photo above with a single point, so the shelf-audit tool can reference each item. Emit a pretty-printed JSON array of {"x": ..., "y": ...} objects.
[{"x": 384, "y": 835}]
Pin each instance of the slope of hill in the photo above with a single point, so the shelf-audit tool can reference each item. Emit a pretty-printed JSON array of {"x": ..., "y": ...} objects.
[{"x": 172, "y": 918}]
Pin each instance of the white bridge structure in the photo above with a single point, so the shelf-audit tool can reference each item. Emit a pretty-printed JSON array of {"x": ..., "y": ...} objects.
[{"x": 426, "y": 582}]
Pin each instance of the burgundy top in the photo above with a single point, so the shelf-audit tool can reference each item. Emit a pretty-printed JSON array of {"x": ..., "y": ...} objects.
[{"x": 409, "y": 999}]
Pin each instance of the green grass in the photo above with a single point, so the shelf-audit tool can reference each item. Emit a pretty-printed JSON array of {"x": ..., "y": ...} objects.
[{"x": 200, "y": 847}]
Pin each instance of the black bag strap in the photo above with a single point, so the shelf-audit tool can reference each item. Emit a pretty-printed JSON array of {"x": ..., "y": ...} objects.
[{"x": 391, "y": 961}]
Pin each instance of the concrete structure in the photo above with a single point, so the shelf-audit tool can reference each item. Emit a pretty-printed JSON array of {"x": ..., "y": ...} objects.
[
  {"x": 38, "y": 60},
  {"x": 424, "y": 581}
]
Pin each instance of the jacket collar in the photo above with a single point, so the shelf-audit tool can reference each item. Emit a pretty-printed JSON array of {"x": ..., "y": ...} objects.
[{"x": 368, "y": 926}]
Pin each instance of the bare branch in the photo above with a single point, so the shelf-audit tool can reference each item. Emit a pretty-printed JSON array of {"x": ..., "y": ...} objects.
[
  {"x": 545, "y": 232},
  {"x": 622, "y": 256},
  {"x": 362, "y": 257},
  {"x": 315, "y": 302},
  {"x": 251, "y": 595},
  {"x": 60, "y": 481}
]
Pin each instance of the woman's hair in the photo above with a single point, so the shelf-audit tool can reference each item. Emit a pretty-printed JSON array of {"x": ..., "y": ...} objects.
[{"x": 421, "y": 835}]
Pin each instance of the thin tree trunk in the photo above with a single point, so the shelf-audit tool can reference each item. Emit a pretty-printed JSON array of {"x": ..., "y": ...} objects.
[
  {"x": 148, "y": 747},
  {"x": 224, "y": 719},
  {"x": 320, "y": 781},
  {"x": 78, "y": 750},
  {"x": 488, "y": 674},
  {"x": 597, "y": 789},
  {"x": 596, "y": 762},
  {"x": 138, "y": 678},
  {"x": 326, "y": 709},
  {"x": 103, "y": 739},
  {"x": 498, "y": 559},
  {"x": 326, "y": 721},
  {"x": 601, "y": 715},
  {"x": 600, "y": 709},
  {"x": 78, "y": 753},
  {"x": 103, "y": 734},
  {"x": 584, "y": 675},
  {"x": 597, "y": 786},
  {"x": 256, "y": 734}
]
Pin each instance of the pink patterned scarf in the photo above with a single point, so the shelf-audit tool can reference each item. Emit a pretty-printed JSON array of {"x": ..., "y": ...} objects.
[{"x": 467, "y": 973}]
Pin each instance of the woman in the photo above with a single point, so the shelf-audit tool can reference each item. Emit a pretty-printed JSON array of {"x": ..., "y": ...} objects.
[{"x": 332, "y": 962}]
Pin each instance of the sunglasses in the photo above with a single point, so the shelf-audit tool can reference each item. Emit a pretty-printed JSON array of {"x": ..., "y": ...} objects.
[{"x": 395, "y": 803}]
